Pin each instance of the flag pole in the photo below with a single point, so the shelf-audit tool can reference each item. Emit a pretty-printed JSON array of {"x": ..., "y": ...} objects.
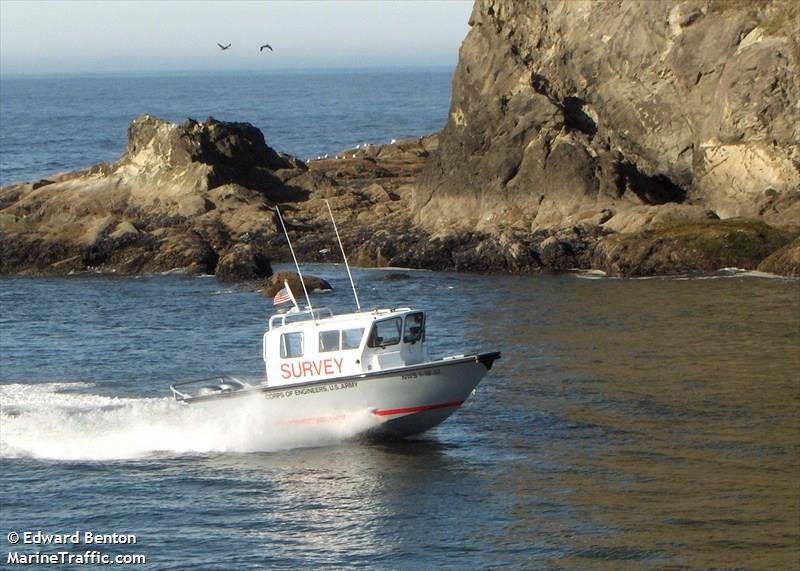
[
  {"x": 296, "y": 265},
  {"x": 291, "y": 294}
]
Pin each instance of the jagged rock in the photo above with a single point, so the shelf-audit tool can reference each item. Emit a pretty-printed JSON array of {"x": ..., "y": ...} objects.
[
  {"x": 180, "y": 196},
  {"x": 180, "y": 251},
  {"x": 564, "y": 250},
  {"x": 274, "y": 284},
  {"x": 232, "y": 149},
  {"x": 201, "y": 197},
  {"x": 462, "y": 251}
]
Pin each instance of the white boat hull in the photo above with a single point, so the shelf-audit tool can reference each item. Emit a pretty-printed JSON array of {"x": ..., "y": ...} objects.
[{"x": 401, "y": 401}]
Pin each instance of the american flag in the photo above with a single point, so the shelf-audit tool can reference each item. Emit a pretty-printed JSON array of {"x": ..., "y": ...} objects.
[{"x": 283, "y": 296}]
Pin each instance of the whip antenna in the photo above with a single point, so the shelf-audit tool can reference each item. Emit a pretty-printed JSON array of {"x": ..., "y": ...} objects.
[
  {"x": 346, "y": 265},
  {"x": 296, "y": 265}
]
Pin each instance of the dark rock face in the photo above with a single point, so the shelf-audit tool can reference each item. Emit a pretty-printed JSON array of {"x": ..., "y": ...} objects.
[{"x": 559, "y": 108}]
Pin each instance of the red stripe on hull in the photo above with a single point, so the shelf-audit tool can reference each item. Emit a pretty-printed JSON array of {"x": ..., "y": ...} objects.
[{"x": 391, "y": 411}]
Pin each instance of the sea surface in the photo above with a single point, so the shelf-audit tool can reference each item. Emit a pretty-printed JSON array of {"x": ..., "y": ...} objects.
[{"x": 630, "y": 424}]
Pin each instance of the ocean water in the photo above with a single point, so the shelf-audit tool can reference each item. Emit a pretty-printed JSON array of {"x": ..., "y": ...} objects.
[
  {"x": 62, "y": 123},
  {"x": 631, "y": 424}
]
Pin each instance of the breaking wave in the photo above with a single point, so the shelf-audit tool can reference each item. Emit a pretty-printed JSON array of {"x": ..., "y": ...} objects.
[{"x": 58, "y": 421}]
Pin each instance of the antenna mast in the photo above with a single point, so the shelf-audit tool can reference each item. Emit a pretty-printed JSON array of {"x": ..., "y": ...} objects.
[
  {"x": 346, "y": 265},
  {"x": 296, "y": 265}
]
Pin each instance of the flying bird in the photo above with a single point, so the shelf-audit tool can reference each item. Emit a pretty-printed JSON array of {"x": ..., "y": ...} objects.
[
  {"x": 269, "y": 47},
  {"x": 223, "y": 47}
]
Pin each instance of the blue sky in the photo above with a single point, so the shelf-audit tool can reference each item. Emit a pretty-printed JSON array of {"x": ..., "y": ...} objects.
[{"x": 79, "y": 37}]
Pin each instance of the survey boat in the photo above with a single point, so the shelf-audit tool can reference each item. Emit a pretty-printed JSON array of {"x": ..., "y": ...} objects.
[{"x": 323, "y": 368}]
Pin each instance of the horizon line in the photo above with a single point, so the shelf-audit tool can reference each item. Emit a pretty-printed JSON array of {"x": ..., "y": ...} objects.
[{"x": 394, "y": 68}]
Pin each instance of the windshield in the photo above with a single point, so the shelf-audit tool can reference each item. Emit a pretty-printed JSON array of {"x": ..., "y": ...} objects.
[{"x": 385, "y": 332}]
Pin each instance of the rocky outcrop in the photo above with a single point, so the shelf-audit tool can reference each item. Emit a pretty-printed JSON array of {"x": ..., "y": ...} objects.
[
  {"x": 242, "y": 262},
  {"x": 642, "y": 110},
  {"x": 181, "y": 196},
  {"x": 201, "y": 197}
]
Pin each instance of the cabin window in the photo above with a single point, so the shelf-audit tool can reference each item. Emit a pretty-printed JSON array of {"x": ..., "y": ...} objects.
[
  {"x": 344, "y": 340},
  {"x": 328, "y": 341},
  {"x": 414, "y": 329},
  {"x": 351, "y": 338},
  {"x": 291, "y": 345},
  {"x": 385, "y": 332}
]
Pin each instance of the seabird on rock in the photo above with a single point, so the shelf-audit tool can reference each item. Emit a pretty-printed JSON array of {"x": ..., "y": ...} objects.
[
  {"x": 223, "y": 47},
  {"x": 269, "y": 47}
]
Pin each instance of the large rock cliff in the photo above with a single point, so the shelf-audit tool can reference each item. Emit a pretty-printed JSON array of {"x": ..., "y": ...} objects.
[{"x": 625, "y": 114}]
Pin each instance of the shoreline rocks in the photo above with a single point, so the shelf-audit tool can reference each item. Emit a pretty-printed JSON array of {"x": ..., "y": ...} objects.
[
  {"x": 147, "y": 223},
  {"x": 783, "y": 262},
  {"x": 685, "y": 113},
  {"x": 201, "y": 197},
  {"x": 557, "y": 154}
]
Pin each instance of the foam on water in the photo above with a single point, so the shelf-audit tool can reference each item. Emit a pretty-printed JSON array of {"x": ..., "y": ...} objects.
[
  {"x": 55, "y": 421},
  {"x": 589, "y": 274},
  {"x": 722, "y": 273},
  {"x": 727, "y": 273}
]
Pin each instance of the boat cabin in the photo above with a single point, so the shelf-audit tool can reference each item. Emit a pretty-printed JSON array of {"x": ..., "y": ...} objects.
[{"x": 310, "y": 345}]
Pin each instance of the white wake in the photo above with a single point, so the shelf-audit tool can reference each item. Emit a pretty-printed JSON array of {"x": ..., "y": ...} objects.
[{"x": 54, "y": 421}]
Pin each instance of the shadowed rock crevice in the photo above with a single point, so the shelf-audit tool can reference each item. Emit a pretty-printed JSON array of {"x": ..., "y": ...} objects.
[
  {"x": 576, "y": 118},
  {"x": 649, "y": 189}
]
